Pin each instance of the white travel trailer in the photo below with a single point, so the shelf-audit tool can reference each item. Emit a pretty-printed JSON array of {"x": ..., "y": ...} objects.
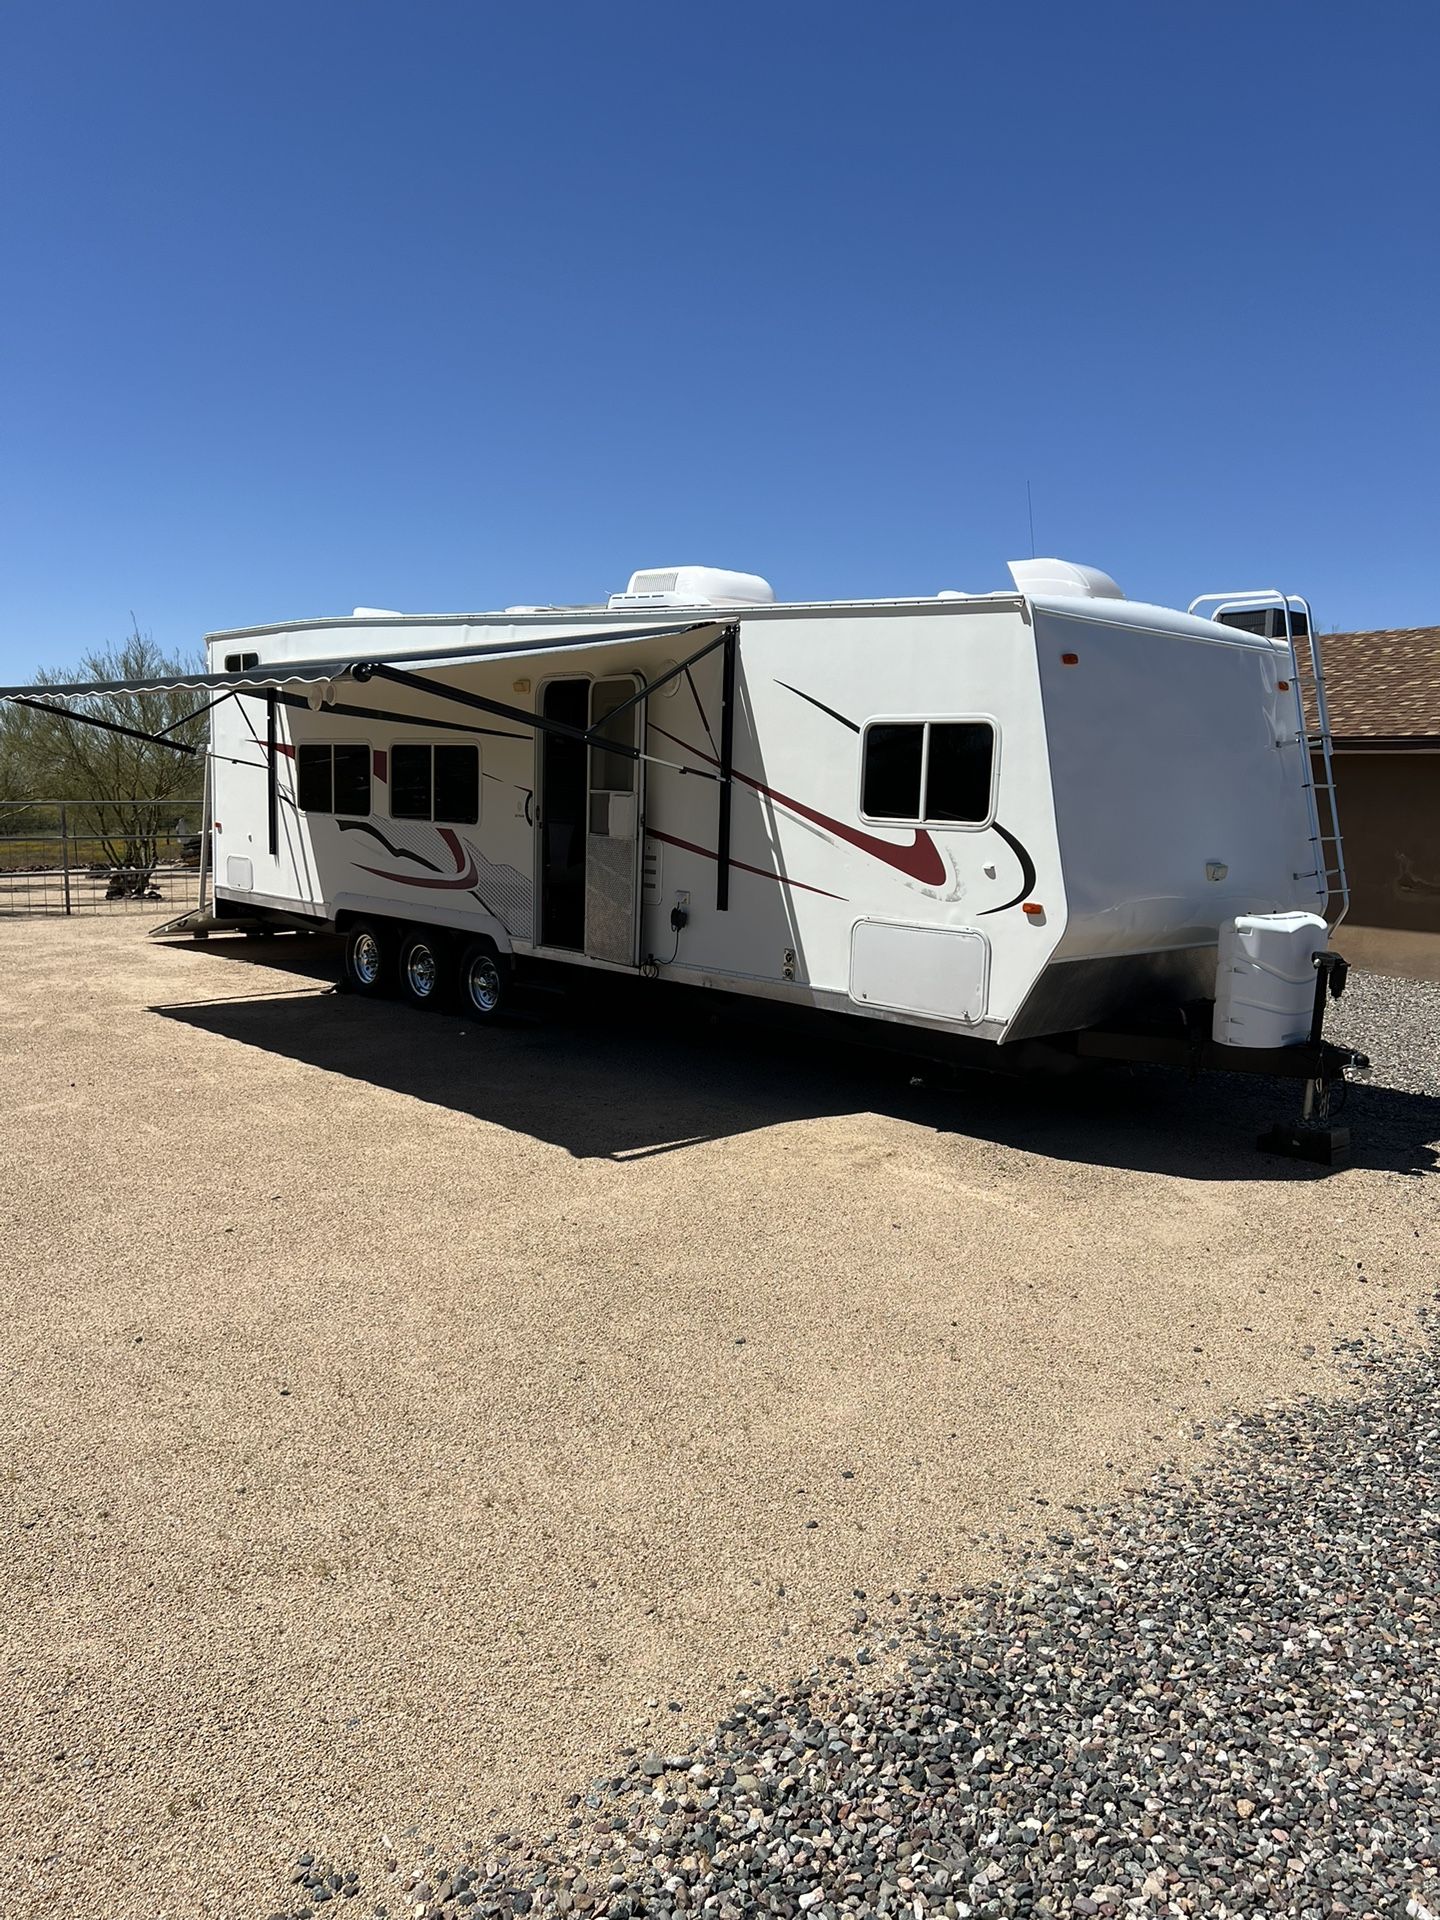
[{"x": 1003, "y": 817}]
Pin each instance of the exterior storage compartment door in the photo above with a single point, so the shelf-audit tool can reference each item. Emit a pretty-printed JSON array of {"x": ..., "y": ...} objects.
[{"x": 939, "y": 972}]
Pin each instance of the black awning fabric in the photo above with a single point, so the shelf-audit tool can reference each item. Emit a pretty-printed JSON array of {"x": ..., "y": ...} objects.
[{"x": 290, "y": 673}]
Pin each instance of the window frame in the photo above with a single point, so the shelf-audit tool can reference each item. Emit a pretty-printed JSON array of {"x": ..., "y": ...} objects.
[
  {"x": 432, "y": 818},
  {"x": 332, "y": 812},
  {"x": 926, "y": 721}
]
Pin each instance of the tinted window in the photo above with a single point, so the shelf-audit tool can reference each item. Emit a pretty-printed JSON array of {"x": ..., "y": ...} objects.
[
  {"x": 457, "y": 784},
  {"x": 410, "y": 783},
  {"x": 314, "y": 785},
  {"x": 958, "y": 770},
  {"x": 890, "y": 788},
  {"x": 352, "y": 779},
  {"x": 333, "y": 779}
]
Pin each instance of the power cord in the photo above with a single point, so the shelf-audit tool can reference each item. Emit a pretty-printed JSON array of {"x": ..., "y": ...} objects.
[{"x": 679, "y": 920}]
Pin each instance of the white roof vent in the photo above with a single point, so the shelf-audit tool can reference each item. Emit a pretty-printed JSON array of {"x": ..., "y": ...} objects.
[
  {"x": 1065, "y": 579},
  {"x": 376, "y": 613},
  {"x": 694, "y": 587}
]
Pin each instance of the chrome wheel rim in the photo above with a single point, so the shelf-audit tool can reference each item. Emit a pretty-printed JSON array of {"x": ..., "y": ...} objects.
[
  {"x": 421, "y": 971},
  {"x": 365, "y": 959},
  {"x": 482, "y": 982}
]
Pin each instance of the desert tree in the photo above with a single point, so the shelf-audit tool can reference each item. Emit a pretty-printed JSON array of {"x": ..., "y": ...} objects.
[{"x": 114, "y": 785}]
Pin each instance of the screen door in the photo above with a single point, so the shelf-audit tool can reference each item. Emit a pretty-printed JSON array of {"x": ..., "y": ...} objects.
[{"x": 612, "y": 862}]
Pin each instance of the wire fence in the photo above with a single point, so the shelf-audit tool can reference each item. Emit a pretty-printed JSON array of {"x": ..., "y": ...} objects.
[{"x": 98, "y": 856}]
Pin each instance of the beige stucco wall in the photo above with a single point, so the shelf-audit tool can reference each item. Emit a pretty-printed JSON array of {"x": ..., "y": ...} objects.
[{"x": 1390, "y": 819}]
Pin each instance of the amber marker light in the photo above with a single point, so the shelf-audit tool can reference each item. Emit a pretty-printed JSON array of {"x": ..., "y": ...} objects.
[
  {"x": 1034, "y": 909},
  {"x": 1069, "y": 659}
]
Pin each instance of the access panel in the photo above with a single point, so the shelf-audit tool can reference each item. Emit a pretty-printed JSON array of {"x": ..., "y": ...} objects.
[{"x": 940, "y": 972}]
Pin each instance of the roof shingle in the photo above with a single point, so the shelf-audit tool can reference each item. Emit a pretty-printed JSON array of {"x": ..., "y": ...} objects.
[{"x": 1383, "y": 685}]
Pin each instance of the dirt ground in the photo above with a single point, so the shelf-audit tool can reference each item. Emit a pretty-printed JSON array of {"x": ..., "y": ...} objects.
[{"x": 398, "y": 1417}]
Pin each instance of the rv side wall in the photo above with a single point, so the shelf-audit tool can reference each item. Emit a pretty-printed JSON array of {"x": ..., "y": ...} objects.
[
  {"x": 893, "y": 914},
  {"x": 812, "y": 867},
  {"x": 1178, "y": 785}
]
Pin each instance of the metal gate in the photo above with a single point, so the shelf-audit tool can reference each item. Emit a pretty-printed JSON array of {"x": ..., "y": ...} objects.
[{"x": 110, "y": 856}]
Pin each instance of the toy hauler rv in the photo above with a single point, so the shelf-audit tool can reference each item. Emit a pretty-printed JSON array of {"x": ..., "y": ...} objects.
[{"x": 1044, "y": 814}]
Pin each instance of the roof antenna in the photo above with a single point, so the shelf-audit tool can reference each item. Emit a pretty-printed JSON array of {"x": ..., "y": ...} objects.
[{"x": 1030, "y": 508}]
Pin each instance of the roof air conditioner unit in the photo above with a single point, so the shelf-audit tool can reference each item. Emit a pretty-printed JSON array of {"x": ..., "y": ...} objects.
[{"x": 694, "y": 587}]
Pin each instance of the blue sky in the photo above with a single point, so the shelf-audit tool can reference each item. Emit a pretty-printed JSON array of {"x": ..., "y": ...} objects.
[{"x": 447, "y": 306}]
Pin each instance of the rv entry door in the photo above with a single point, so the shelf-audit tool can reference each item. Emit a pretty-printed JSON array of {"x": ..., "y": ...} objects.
[{"x": 612, "y": 864}]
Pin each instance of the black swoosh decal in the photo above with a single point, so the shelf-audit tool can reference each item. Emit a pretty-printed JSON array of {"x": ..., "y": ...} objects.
[
  {"x": 1027, "y": 870},
  {"x": 397, "y": 853},
  {"x": 820, "y": 704},
  {"x": 1027, "y": 865}
]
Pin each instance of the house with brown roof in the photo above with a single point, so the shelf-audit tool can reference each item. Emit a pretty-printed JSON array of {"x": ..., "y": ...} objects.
[{"x": 1383, "y": 692}]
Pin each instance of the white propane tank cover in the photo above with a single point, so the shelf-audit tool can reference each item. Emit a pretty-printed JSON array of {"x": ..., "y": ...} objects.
[
  {"x": 1066, "y": 579},
  {"x": 694, "y": 587},
  {"x": 1265, "y": 979}
]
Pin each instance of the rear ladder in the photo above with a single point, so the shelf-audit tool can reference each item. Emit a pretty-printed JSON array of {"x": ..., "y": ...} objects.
[{"x": 1317, "y": 776}]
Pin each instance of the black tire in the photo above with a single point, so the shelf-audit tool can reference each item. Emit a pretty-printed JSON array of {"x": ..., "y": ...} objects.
[
  {"x": 369, "y": 958},
  {"x": 424, "y": 970},
  {"x": 484, "y": 981}
]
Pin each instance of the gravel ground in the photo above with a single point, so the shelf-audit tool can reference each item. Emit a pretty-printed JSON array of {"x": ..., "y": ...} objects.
[
  {"x": 1220, "y": 1696},
  {"x": 1397, "y": 1023},
  {"x": 397, "y": 1420}
]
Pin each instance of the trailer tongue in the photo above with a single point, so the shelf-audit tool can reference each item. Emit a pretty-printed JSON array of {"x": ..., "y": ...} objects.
[{"x": 1314, "y": 1060}]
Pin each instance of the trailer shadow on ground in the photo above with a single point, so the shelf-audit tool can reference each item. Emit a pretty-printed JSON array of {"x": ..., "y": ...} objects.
[{"x": 622, "y": 1076}]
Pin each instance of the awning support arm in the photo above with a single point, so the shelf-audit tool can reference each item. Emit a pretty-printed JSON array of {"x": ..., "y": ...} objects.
[
  {"x": 106, "y": 726},
  {"x": 364, "y": 670},
  {"x": 209, "y": 706},
  {"x": 272, "y": 777},
  {"x": 730, "y": 637},
  {"x": 654, "y": 686}
]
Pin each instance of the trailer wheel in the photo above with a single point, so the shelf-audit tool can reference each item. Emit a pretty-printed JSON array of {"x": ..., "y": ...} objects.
[
  {"x": 484, "y": 980},
  {"x": 422, "y": 968},
  {"x": 368, "y": 955}
]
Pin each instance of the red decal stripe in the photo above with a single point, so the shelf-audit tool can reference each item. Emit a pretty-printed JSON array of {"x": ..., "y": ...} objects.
[
  {"x": 464, "y": 877},
  {"x": 920, "y": 861},
  {"x": 765, "y": 873}
]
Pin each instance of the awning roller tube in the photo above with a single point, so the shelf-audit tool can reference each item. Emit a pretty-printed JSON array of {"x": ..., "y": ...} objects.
[{"x": 282, "y": 673}]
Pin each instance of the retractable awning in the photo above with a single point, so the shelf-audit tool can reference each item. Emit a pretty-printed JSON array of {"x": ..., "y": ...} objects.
[
  {"x": 273, "y": 682},
  {"x": 357, "y": 665}
]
